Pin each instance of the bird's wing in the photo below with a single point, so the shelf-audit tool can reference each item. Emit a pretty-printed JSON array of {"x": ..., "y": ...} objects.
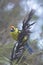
[{"x": 26, "y": 25}]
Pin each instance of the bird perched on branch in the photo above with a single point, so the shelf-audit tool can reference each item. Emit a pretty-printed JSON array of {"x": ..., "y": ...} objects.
[{"x": 21, "y": 36}]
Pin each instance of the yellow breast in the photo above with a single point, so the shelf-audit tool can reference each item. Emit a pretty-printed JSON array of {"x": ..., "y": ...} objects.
[{"x": 15, "y": 34}]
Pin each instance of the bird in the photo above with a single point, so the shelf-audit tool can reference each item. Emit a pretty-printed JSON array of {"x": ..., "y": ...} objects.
[
  {"x": 15, "y": 33},
  {"x": 21, "y": 36}
]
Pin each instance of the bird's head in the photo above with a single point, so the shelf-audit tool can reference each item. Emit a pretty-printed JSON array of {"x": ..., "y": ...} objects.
[{"x": 12, "y": 28}]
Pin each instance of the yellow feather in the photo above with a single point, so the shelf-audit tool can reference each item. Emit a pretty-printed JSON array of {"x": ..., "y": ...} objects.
[{"x": 15, "y": 34}]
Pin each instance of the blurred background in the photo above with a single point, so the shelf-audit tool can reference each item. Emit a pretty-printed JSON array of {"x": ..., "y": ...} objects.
[{"x": 12, "y": 12}]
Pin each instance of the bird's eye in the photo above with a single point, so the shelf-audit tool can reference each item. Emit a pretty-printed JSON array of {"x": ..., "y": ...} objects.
[{"x": 12, "y": 29}]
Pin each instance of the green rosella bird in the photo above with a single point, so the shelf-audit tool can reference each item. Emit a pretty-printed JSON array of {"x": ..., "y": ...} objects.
[{"x": 21, "y": 36}]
